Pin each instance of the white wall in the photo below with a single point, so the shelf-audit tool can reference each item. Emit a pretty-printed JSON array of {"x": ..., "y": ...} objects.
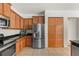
[
  {"x": 65, "y": 14},
  {"x": 72, "y": 28}
]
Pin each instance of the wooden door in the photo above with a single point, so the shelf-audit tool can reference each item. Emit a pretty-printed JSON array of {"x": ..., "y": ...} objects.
[
  {"x": 12, "y": 20},
  {"x": 6, "y": 9},
  {"x": 59, "y": 35},
  {"x": 1, "y": 8},
  {"x": 55, "y": 32}
]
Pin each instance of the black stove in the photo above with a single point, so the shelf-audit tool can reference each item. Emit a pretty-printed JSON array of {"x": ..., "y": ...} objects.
[{"x": 8, "y": 44}]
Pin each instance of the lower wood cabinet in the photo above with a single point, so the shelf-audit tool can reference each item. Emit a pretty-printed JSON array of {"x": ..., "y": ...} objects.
[
  {"x": 25, "y": 41},
  {"x": 29, "y": 41},
  {"x": 18, "y": 46}
]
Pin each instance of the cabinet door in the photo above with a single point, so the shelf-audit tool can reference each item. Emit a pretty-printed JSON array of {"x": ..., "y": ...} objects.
[
  {"x": 6, "y": 9},
  {"x": 30, "y": 21},
  {"x": 12, "y": 20},
  {"x": 18, "y": 47},
  {"x": 29, "y": 41},
  {"x": 25, "y": 41},
  {"x": 17, "y": 21},
  {"x": 22, "y": 23},
  {"x": 26, "y": 23},
  {"x": 35, "y": 19},
  {"x": 1, "y": 9},
  {"x": 21, "y": 43},
  {"x": 41, "y": 20}
]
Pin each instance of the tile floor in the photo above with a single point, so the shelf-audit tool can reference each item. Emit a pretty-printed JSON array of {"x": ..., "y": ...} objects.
[{"x": 45, "y": 52}]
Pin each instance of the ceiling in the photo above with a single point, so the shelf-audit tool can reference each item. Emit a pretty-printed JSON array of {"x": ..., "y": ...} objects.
[{"x": 33, "y": 8}]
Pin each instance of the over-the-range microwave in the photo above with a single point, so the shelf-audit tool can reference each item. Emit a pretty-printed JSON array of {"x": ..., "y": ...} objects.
[{"x": 4, "y": 21}]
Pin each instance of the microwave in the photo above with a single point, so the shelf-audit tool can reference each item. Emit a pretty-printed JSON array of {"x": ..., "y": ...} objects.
[{"x": 4, "y": 21}]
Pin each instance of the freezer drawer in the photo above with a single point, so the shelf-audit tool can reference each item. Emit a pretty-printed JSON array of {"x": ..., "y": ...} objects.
[{"x": 38, "y": 43}]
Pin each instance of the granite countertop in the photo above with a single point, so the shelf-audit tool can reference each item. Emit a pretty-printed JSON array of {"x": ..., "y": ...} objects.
[{"x": 75, "y": 42}]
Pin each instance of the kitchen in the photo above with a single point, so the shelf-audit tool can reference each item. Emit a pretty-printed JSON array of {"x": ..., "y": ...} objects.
[
  {"x": 35, "y": 33},
  {"x": 15, "y": 29}
]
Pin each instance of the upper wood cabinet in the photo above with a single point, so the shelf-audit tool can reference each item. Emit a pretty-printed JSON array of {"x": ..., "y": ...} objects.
[
  {"x": 1, "y": 11},
  {"x": 35, "y": 19},
  {"x": 41, "y": 20},
  {"x": 12, "y": 20},
  {"x": 38, "y": 19},
  {"x": 30, "y": 22},
  {"x": 26, "y": 23},
  {"x": 22, "y": 23},
  {"x": 17, "y": 22},
  {"x": 6, "y": 9}
]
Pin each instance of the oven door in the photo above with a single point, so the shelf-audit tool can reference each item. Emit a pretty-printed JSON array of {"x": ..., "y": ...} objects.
[{"x": 8, "y": 50}]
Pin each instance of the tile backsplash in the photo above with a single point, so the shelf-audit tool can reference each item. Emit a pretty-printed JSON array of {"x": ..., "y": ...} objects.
[{"x": 8, "y": 32}]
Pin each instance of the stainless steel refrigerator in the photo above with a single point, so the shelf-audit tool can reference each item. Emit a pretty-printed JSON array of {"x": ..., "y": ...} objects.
[{"x": 38, "y": 36}]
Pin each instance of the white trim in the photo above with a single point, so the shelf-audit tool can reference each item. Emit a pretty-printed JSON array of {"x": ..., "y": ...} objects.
[
  {"x": 26, "y": 15},
  {"x": 14, "y": 9}
]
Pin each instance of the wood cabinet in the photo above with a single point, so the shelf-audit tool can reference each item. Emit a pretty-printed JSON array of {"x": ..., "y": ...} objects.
[
  {"x": 18, "y": 46},
  {"x": 6, "y": 9},
  {"x": 35, "y": 19},
  {"x": 26, "y": 23},
  {"x": 1, "y": 9},
  {"x": 38, "y": 19},
  {"x": 22, "y": 23},
  {"x": 17, "y": 22},
  {"x": 41, "y": 20},
  {"x": 29, "y": 41},
  {"x": 55, "y": 32},
  {"x": 30, "y": 23},
  {"x": 12, "y": 20},
  {"x": 23, "y": 42}
]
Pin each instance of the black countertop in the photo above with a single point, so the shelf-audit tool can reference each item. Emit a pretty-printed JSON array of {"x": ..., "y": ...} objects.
[{"x": 75, "y": 42}]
